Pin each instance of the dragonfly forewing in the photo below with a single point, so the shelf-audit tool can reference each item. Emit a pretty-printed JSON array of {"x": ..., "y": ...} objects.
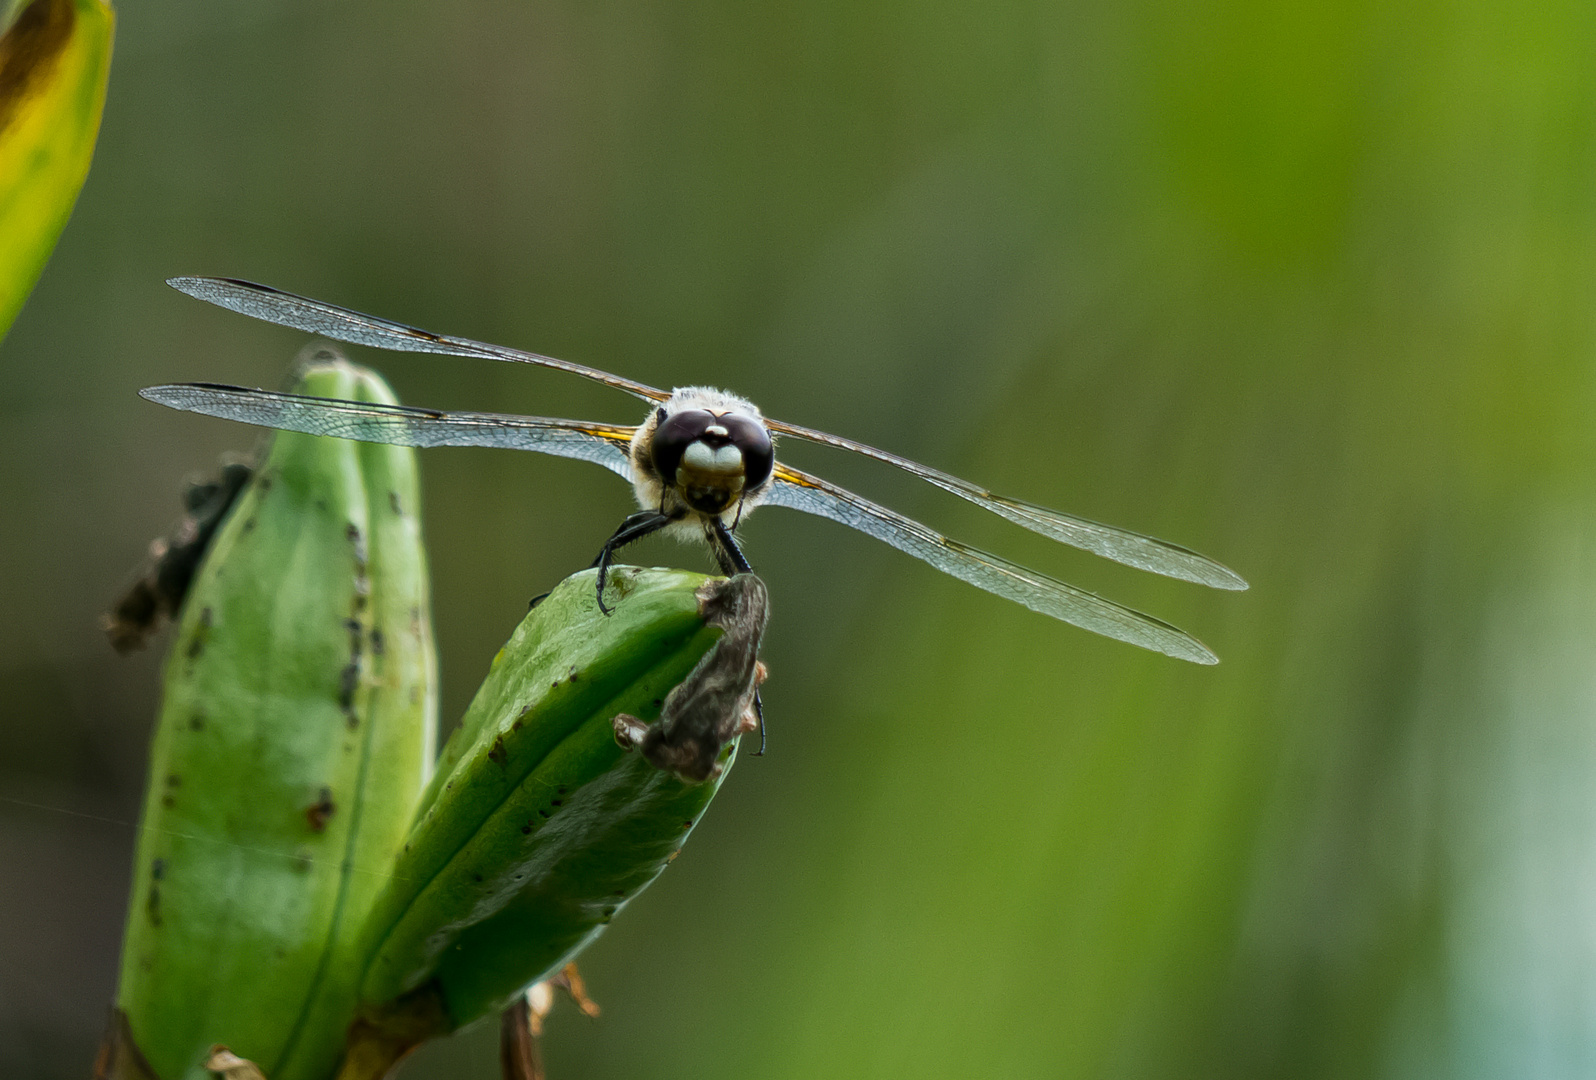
[{"x": 342, "y": 324}]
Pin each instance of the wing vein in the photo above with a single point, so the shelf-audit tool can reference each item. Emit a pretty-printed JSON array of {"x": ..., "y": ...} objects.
[
  {"x": 801, "y": 491},
  {"x": 342, "y": 324},
  {"x": 1120, "y": 545},
  {"x": 602, "y": 444}
]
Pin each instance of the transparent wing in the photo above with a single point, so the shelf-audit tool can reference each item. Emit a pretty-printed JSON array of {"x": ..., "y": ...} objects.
[
  {"x": 341, "y": 324},
  {"x": 800, "y": 491},
  {"x": 1121, "y": 545},
  {"x": 602, "y": 444}
]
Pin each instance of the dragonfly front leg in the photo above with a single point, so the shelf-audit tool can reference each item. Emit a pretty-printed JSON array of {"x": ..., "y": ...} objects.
[
  {"x": 727, "y": 553},
  {"x": 635, "y": 527}
]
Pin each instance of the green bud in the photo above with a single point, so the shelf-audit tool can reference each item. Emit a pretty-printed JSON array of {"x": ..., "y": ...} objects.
[
  {"x": 292, "y": 743},
  {"x": 538, "y": 826}
]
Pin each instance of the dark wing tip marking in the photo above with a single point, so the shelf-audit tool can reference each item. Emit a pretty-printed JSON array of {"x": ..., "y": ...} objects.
[{"x": 230, "y": 293}]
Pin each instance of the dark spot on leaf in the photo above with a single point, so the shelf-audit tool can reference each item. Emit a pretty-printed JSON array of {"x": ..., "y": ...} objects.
[
  {"x": 543, "y": 813},
  {"x": 202, "y": 633},
  {"x": 158, "y": 869},
  {"x": 196, "y": 722},
  {"x": 378, "y": 642},
  {"x": 526, "y": 830},
  {"x": 249, "y": 525},
  {"x": 496, "y": 752},
  {"x": 173, "y": 780},
  {"x": 152, "y": 906},
  {"x": 348, "y": 680},
  {"x": 555, "y": 802},
  {"x": 476, "y": 877},
  {"x": 168, "y": 801},
  {"x": 319, "y": 811},
  {"x": 393, "y": 503}
]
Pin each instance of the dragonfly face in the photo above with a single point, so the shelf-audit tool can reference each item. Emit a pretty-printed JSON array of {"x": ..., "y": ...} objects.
[
  {"x": 701, "y": 460},
  {"x": 704, "y": 452}
]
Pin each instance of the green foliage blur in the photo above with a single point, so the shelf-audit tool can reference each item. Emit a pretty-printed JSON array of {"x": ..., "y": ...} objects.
[{"x": 1305, "y": 287}]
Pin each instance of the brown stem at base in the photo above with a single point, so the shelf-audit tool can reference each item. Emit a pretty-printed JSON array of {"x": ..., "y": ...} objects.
[
  {"x": 378, "y": 1042},
  {"x": 520, "y": 1042},
  {"x": 521, "y": 1023},
  {"x": 119, "y": 1057}
]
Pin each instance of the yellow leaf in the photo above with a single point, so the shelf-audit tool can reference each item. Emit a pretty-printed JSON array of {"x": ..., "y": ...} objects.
[{"x": 54, "y": 60}]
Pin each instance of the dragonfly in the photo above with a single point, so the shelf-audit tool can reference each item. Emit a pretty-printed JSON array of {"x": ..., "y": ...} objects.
[{"x": 700, "y": 462}]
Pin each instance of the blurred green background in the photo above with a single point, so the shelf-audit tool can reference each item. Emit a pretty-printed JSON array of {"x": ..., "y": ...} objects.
[{"x": 1308, "y": 288}]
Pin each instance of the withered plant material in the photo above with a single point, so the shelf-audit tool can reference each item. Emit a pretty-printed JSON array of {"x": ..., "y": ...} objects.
[
  {"x": 157, "y": 595},
  {"x": 714, "y": 704}
]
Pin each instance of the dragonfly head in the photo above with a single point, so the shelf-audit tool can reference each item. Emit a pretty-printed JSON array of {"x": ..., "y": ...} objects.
[{"x": 709, "y": 447}]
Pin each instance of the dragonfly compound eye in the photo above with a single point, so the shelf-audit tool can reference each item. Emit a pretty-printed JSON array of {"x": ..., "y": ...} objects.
[
  {"x": 672, "y": 438},
  {"x": 750, "y": 436}
]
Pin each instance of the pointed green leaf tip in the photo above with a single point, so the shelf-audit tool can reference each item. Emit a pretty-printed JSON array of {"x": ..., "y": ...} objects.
[{"x": 55, "y": 57}]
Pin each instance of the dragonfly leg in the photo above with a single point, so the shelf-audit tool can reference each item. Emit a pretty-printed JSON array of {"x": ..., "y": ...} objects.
[
  {"x": 727, "y": 553},
  {"x": 634, "y": 527}
]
